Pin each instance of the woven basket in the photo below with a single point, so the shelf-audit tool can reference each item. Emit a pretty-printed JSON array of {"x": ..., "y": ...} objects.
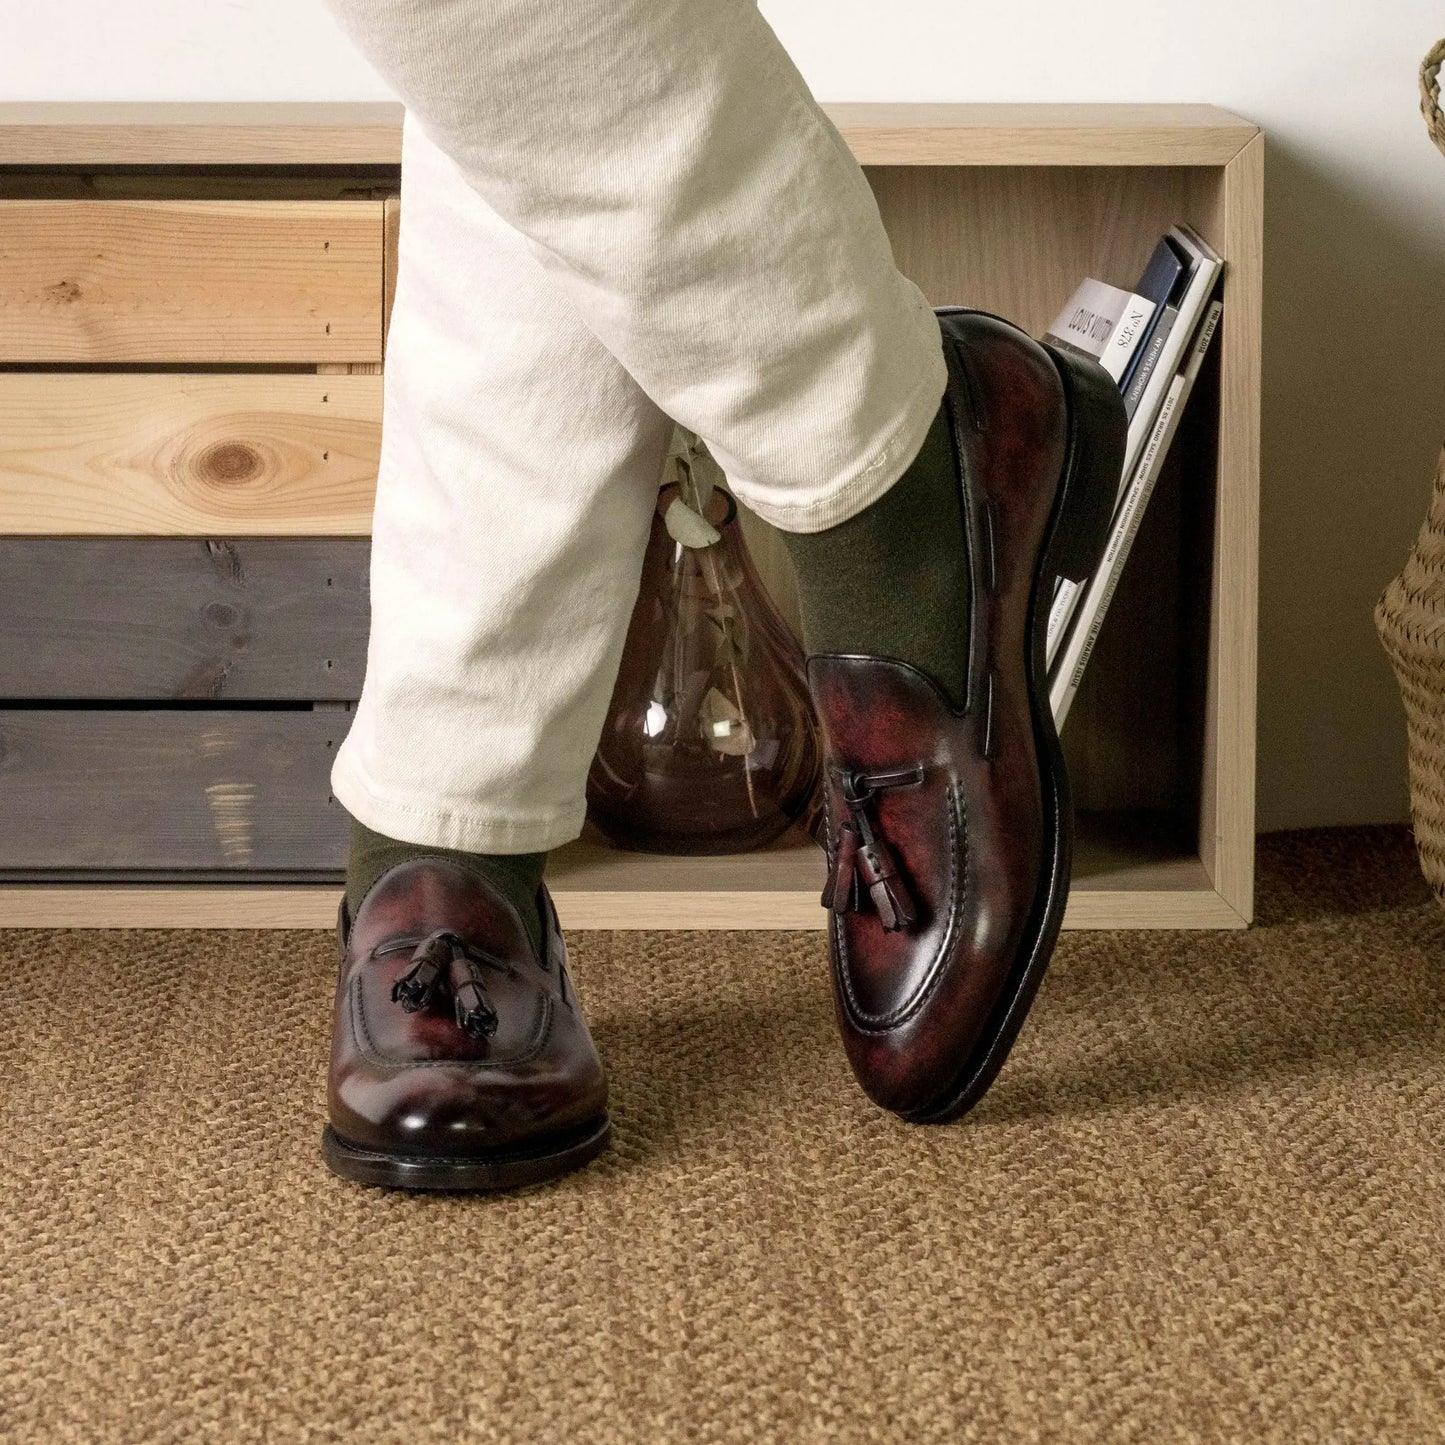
[
  {"x": 1430, "y": 94},
  {"x": 1410, "y": 617}
]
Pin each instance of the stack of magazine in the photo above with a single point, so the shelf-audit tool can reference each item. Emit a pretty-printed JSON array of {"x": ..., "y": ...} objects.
[{"x": 1152, "y": 341}]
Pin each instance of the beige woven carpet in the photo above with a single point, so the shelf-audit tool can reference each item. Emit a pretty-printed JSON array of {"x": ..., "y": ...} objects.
[{"x": 1206, "y": 1201}]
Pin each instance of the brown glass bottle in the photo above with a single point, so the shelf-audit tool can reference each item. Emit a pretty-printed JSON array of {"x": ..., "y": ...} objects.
[{"x": 710, "y": 744}]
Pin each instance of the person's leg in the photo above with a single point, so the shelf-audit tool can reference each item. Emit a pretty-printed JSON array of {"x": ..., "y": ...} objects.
[
  {"x": 519, "y": 470},
  {"x": 670, "y": 171},
  {"x": 644, "y": 149},
  {"x": 670, "y": 168}
]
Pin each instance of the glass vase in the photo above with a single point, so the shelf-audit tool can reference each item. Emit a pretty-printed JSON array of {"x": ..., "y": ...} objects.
[{"x": 710, "y": 745}]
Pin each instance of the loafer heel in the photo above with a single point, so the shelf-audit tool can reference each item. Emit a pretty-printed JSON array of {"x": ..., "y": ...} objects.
[{"x": 1089, "y": 489}]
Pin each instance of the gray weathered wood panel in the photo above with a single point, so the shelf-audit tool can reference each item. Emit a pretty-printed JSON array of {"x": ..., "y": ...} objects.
[
  {"x": 139, "y": 619},
  {"x": 170, "y": 789}
]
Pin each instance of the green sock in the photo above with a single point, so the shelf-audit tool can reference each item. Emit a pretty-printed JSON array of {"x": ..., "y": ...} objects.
[
  {"x": 516, "y": 876},
  {"x": 893, "y": 580}
]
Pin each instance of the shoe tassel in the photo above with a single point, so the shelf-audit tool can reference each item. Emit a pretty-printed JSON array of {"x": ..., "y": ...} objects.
[
  {"x": 443, "y": 960},
  {"x": 862, "y": 859},
  {"x": 475, "y": 1014}
]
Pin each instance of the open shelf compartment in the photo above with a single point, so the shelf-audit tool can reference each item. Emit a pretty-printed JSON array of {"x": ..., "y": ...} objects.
[{"x": 1000, "y": 207}]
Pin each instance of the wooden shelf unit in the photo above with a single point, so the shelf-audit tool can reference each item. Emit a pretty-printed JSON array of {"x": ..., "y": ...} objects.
[{"x": 1003, "y": 207}]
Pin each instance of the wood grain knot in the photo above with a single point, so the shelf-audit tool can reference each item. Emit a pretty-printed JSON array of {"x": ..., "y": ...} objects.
[
  {"x": 232, "y": 463},
  {"x": 223, "y": 615},
  {"x": 63, "y": 292}
]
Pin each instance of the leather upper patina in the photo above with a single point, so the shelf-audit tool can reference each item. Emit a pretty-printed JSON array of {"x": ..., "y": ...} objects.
[
  {"x": 452, "y": 1037},
  {"x": 952, "y": 791}
]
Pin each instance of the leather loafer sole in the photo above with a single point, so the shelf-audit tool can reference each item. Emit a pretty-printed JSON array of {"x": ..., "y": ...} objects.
[
  {"x": 1077, "y": 535},
  {"x": 534, "y": 1163}
]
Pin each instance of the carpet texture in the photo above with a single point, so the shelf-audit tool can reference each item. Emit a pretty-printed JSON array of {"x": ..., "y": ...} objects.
[{"x": 1205, "y": 1201}]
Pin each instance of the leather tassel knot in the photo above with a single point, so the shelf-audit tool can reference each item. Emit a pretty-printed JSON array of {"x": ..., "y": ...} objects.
[
  {"x": 863, "y": 860},
  {"x": 444, "y": 961},
  {"x": 475, "y": 1014},
  {"x": 419, "y": 985}
]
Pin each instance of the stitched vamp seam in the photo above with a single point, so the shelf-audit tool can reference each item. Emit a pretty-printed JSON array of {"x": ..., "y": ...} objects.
[
  {"x": 368, "y": 1049},
  {"x": 957, "y": 894}
]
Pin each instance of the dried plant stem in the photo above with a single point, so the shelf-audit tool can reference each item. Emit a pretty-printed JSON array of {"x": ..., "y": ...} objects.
[{"x": 709, "y": 565}]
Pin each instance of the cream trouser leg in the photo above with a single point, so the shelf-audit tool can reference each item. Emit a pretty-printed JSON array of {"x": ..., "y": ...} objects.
[{"x": 613, "y": 212}]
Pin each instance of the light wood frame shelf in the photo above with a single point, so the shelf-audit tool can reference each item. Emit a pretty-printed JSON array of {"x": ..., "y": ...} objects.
[{"x": 1000, "y": 206}]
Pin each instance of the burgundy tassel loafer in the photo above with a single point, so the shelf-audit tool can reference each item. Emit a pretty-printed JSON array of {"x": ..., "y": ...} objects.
[
  {"x": 950, "y": 829},
  {"x": 460, "y": 1058}
]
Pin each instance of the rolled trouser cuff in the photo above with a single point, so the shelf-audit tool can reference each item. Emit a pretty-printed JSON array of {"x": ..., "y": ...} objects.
[{"x": 475, "y": 830}]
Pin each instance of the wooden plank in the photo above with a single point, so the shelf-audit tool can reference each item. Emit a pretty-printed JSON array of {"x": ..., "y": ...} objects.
[
  {"x": 190, "y": 281},
  {"x": 1227, "y": 807},
  {"x": 1200, "y": 908},
  {"x": 84, "y": 454},
  {"x": 273, "y": 619},
  {"x": 61, "y": 133},
  {"x": 390, "y": 259},
  {"x": 912, "y": 134},
  {"x": 1115, "y": 852},
  {"x": 1131, "y": 873},
  {"x": 1195, "y": 908},
  {"x": 199, "y": 183},
  {"x": 314, "y": 906},
  {"x": 178, "y": 789},
  {"x": 886, "y": 134},
  {"x": 53, "y": 905}
]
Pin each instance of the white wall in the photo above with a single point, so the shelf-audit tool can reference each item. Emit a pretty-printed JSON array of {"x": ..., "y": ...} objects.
[{"x": 1355, "y": 308}]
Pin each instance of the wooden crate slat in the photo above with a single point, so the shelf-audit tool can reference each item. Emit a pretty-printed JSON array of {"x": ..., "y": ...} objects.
[
  {"x": 390, "y": 256},
  {"x": 175, "y": 790},
  {"x": 198, "y": 183},
  {"x": 190, "y": 281},
  {"x": 150, "y": 619},
  {"x": 119, "y": 454}
]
